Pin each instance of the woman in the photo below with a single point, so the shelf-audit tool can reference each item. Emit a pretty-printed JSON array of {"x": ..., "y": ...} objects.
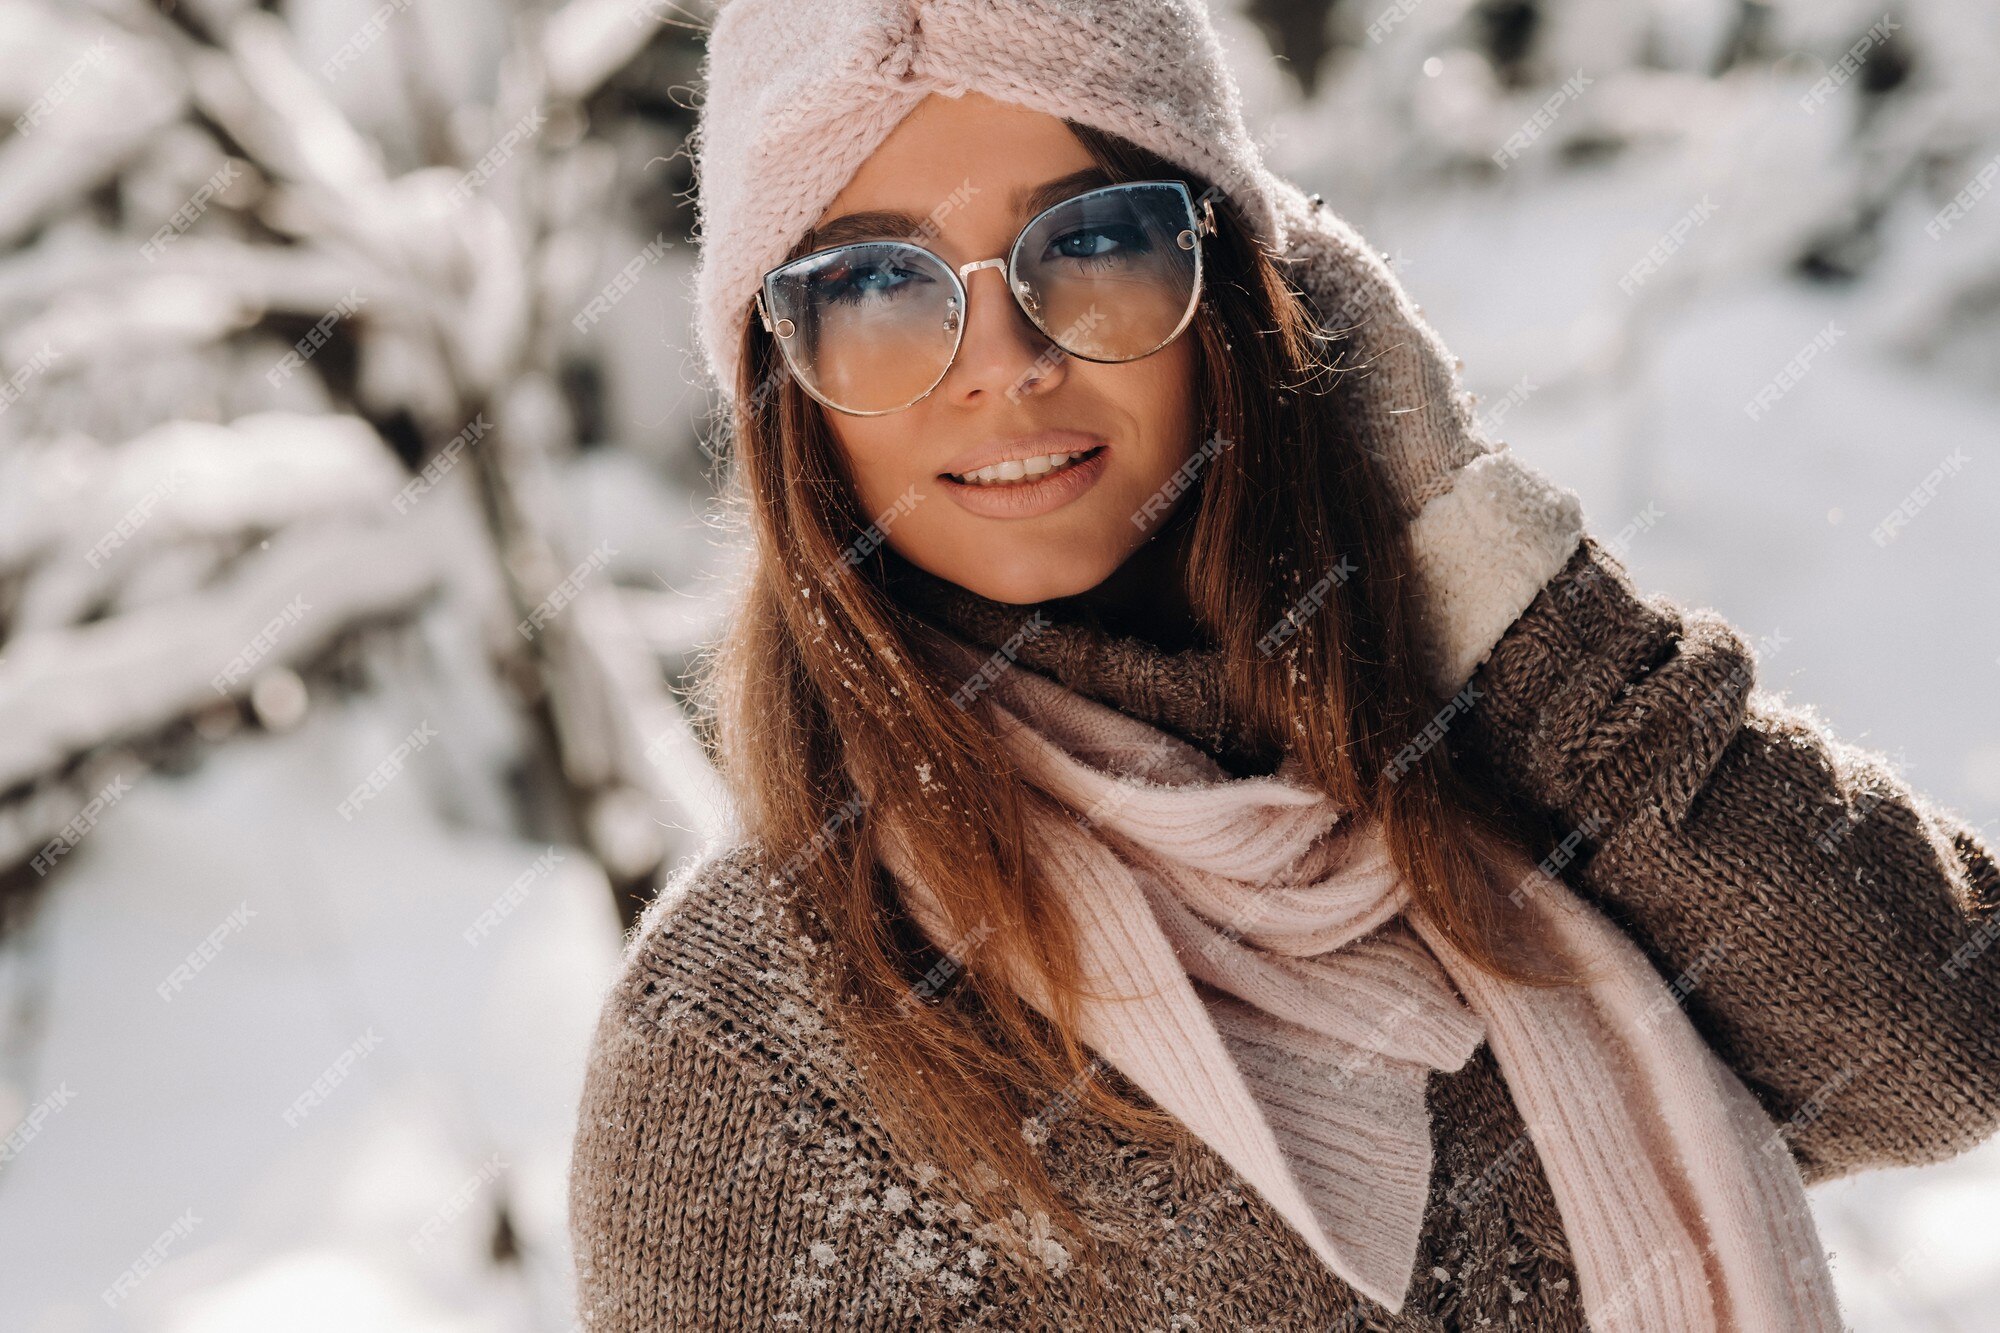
[{"x": 1222, "y": 847}]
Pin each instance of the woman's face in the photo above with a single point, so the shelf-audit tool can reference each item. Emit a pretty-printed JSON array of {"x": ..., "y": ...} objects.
[{"x": 961, "y": 170}]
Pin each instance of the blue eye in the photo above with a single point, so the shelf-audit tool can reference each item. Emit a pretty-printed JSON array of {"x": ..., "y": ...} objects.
[
  {"x": 848, "y": 283},
  {"x": 1100, "y": 242}
]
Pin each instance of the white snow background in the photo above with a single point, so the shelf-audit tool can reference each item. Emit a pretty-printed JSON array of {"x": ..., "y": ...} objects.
[{"x": 423, "y": 1188}]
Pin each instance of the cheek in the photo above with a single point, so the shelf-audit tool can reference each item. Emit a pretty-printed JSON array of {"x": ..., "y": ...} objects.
[
  {"x": 1156, "y": 396},
  {"x": 878, "y": 454}
]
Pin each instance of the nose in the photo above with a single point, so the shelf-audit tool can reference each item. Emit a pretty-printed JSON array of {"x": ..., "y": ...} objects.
[{"x": 1000, "y": 352}]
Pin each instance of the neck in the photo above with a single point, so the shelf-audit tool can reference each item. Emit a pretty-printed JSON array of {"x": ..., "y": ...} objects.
[
  {"x": 1130, "y": 643},
  {"x": 1145, "y": 597}
]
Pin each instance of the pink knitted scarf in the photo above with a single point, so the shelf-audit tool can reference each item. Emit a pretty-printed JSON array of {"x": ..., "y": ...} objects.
[{"x": 1270, "y": 990}]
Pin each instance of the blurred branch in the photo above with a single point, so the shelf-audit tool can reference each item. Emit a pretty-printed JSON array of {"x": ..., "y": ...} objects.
[{"x": 436, "y": 298}]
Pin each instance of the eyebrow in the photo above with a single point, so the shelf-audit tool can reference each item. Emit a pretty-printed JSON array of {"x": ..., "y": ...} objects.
[{"x": 889, "y": 224}]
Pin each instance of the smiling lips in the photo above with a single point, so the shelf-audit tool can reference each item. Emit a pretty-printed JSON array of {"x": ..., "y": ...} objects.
[
  {"x": 1012, "y": 471},
  {"x": 1042, "y": 484},
  {"x": 1019, "y": 449},
  {"x": 1026, "y": 475}
]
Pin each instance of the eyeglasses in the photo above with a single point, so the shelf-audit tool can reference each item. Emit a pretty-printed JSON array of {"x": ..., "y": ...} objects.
[{"x": 1109, "y": 275}]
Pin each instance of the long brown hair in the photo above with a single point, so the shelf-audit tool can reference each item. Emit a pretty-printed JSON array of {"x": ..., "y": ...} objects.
[{"x": 821, "y": 668}]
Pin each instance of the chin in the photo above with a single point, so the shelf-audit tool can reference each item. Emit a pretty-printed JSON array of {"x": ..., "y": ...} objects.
[{"x": 1039, "y": 581}]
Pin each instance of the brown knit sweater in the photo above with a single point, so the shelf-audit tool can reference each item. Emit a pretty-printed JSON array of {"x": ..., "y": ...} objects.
[{"x": 1826, "y": 928}]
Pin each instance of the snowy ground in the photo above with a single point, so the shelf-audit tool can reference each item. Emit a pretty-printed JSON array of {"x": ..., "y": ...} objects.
[{"x": 192, "y": 1115}]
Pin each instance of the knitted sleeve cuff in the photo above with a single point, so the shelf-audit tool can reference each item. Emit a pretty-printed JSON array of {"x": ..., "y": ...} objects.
[{"x": 1556, "y": 709}]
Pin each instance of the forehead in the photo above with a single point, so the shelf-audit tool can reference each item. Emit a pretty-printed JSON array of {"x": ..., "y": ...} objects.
[
  {"x": 964, "y": 167},
  {"x": 1021, "y": 203}
]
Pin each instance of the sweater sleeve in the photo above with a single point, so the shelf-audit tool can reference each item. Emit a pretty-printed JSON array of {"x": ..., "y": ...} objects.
[
  {"x": 684, "y": 1186},
  {"x": 1829, "y": 931}
]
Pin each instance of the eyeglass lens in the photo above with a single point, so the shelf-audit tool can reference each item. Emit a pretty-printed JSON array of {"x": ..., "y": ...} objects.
[{"x": 1109, "y": 275}]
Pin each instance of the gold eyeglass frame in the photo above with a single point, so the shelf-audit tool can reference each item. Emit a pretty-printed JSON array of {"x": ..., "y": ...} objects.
[{"x": 960, "y": 302}]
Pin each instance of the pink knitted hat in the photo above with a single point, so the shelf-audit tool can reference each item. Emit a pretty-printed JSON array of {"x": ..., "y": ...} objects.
[{"x": 801, "y": 92}]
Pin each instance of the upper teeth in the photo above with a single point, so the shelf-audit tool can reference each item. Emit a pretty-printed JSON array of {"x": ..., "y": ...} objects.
[{"x": 1017, "y": 468}]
